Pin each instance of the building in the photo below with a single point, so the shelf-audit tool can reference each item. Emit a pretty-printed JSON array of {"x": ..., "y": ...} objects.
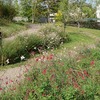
[
  {"x": 98, "y": 13},
  {"x": 19, "y": 19},
  {"x": 52, "y": 17}
]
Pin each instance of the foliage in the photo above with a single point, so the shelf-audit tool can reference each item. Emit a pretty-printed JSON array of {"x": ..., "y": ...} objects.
[
  {"x": 53, "y": 36},
  {"x": 49, "y": 38},
  {"x": 58, "y": 16},
  {"x": 61, "y": 77},
  {"x": 7, "y": 11},
  {"x": 20, "y": 46}
]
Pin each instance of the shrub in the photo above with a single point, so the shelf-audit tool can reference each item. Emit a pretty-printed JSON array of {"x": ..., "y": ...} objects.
[
  {"x": 53, "y": 36},
  {"x": 7, "y": 11},
  {"x": 49, "y": 37},
  {"x": 13, "y": 50}
]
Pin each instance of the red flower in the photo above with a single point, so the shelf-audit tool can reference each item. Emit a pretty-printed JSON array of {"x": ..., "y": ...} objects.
[
  {"x": 28, "y": 78},
  {"x": 50, "y": 57},
  {"x": 85, "y": 73},
  {"x": 92, "y": 63},
  {"x": 7, "y": 82},
  {"x": 1, "y": 89},
  {"x": 81, "y": 75},
  {"x": 44, "y": 71},
  {"x": 75, "y": 84},
  {"x": 37, "y": 59}
]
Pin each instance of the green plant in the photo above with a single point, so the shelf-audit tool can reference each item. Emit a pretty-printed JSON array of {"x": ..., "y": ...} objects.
[{"x": 60, "y": 78}]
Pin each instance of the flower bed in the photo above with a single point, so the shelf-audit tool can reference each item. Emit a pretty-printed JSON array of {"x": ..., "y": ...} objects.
[{"x": 61, "y": 78}]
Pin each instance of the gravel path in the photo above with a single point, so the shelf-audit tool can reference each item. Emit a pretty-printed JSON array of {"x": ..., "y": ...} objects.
[
  {"x": 33, "y": 28},
  {"x": 13, "y": 76}
]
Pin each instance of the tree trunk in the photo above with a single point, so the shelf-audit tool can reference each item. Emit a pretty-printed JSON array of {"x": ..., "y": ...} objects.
[{"x": 78, "y": 24}]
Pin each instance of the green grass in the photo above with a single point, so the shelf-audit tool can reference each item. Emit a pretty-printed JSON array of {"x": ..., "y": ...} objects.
[
  {"x": 83, "y": 30},
  {"x": 13, "y": 65},
  {"x": 11, "y": 28},
  {"x": 78, "y": 38}
]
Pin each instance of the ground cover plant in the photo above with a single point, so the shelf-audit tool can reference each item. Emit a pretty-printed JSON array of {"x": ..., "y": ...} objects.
[{"x": 60, "y": 77}]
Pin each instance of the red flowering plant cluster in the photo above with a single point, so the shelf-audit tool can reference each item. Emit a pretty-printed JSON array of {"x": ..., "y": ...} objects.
[{"x": 55, "y": 77}]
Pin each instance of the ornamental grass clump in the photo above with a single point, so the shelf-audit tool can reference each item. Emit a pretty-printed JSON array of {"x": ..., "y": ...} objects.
[{"x": 13, "y": 50}]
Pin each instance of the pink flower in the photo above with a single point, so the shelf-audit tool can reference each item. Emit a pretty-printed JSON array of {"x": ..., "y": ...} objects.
[{"x": 11, "y": 80}]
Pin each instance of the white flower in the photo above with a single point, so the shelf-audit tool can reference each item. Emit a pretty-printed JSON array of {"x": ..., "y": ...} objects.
[
  {"x": 35, "y": 48},
  {"x": 22, "y": 57},
  {"x": 7, "y": 61},
  {"x": 48, "y": 47}
]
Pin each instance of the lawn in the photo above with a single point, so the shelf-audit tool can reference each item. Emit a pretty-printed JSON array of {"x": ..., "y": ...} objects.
[{"x": 11, "y": 28}]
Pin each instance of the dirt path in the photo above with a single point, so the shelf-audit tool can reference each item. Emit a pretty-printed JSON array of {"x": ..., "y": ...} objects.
[
  {"x": 13, "y": 76},
  {"x": 33, "y": 28}
]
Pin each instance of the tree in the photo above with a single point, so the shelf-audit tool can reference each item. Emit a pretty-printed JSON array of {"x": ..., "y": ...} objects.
[
  {"x": 65, "y": 7},
  {"x": 6, "y": 10},
  {"x": 25, "y": 6},
  {"x": 80, "y": 10},
  {"x": 17, "y": 7}
]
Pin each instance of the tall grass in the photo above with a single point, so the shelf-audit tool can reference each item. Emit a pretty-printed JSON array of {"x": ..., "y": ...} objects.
[{"x": 48, "y": 38}]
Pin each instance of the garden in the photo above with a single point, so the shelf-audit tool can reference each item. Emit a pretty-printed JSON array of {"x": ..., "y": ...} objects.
[
  {"x": 52, "y": 55},
  {"x": 60, "y": 68}
]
